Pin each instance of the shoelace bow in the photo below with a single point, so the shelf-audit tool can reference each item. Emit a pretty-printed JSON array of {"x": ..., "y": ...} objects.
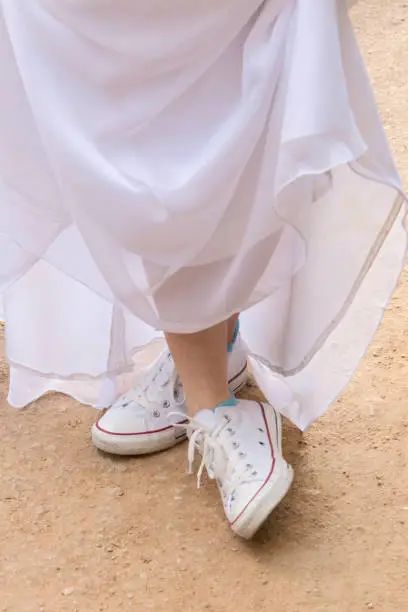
[{"x": 212, "y": 444}]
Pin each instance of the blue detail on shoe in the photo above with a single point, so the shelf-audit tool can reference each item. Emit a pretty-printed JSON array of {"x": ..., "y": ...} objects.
[
  {"x": 229, "y": 402},
  {"x": 230, "y": 345}
]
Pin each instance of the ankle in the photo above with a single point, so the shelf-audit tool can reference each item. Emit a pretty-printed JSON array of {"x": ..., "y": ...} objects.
[{"x": 206, "y": 400}]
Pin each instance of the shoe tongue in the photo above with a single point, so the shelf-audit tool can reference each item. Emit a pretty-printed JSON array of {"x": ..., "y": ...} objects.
[{"x": 205, "y": 419}]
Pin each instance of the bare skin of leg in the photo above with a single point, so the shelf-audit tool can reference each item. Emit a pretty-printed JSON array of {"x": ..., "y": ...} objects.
[{"x": 201, "y": 360}]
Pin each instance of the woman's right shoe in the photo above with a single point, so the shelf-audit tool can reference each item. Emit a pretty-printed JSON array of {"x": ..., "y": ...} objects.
[{"x": 241, "y": 448}]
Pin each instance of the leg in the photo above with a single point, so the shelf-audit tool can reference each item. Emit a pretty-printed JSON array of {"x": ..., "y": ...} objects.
[
  {"x": 201, "y": 361},
  {"x": 240, "y": 444}
]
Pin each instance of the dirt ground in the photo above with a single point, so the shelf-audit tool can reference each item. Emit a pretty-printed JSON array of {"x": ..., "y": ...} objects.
[{"x": 84, "y": 532}]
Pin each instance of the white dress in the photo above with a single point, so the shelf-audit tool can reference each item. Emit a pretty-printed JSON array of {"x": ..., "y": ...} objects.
[{"x": 166, "y": 164}]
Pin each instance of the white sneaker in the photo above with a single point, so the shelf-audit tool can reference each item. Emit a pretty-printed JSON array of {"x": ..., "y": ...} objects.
[
  {"x": 241, "y": 448},
  {"x": 139, "y": 422}
]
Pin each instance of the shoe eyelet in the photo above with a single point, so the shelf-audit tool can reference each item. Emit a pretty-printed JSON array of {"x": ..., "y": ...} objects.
[
  {"x": 261, "y": 443},
  {"x": 156, "y": 413},
  {"x": 166, "y": 404},
  {"x": 235, "y": 445},
  {"x": 261, "y": 430},
  {"x": 254, "y": 473},
  {"x": 241, "y": 454}
]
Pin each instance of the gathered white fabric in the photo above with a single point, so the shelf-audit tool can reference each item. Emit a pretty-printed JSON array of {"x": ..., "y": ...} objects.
[{"x": 166, "y": 164}]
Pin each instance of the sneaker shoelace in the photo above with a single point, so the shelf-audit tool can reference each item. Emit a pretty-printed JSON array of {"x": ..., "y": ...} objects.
[
  {"x": 162, "y": 374},
  {"x": 221, "y": 453}
]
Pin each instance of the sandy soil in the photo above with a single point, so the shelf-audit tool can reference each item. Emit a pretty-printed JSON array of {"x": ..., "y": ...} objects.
[{"x": 84, "y": 532}]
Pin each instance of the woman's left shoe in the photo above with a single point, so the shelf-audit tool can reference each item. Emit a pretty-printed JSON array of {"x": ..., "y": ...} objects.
[
  {"x": 140, "y": 421},
  {"x": 241, "y": 447}
]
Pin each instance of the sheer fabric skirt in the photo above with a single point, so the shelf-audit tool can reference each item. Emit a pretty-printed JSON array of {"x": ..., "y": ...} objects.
[{"x": 166, "y": 164}]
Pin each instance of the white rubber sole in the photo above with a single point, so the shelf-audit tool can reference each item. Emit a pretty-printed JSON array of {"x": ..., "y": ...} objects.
[
  {"x": 265, "y": 503},
  {"x": 136, "y": 444},
  {"x": 151, "y": 442}
]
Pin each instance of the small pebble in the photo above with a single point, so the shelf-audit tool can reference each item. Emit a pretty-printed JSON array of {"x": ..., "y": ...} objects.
[
  {"x": 115, "y": 491},
  {"x": 68, "y": 591}
]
